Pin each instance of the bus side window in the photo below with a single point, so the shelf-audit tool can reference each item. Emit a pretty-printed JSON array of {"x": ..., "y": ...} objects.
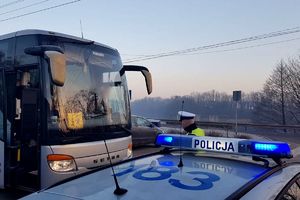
[
  {"x": 28, "y": 79},
  {"x": 25, "y": 79},
  {"x": 6, "y": 53},
  {"x": 22, "y": 43}
]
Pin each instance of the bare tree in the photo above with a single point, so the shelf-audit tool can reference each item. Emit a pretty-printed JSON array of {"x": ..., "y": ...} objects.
[
  {"x": 275, "y": 93},
  {"x": 293, "y": 83},
  {"x": 279, "y": 102}
]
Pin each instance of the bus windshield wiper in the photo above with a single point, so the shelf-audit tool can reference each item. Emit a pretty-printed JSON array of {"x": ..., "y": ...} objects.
[
  {"x": 81, "y": 42},
  {"x": 123, "y": 128},
  {"x": 72, "y": 139},
  {"x": 92, "y": 116}
]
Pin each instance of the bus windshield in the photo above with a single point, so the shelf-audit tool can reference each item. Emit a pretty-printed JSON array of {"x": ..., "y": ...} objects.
[{"x": 94, "y": 96}]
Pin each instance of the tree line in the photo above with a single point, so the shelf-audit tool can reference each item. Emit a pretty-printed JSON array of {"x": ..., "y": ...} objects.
[{"x": 277, "y": 103}]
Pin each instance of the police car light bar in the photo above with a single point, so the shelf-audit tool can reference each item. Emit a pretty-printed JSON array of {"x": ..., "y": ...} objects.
[{"x": 226, "y": 145}]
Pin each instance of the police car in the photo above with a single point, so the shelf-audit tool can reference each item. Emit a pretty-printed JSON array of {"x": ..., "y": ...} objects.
[{"x": 191, "y": 167}]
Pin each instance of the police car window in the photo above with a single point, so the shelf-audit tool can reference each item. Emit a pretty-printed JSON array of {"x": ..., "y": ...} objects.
[{"x": 293, "y": 192}]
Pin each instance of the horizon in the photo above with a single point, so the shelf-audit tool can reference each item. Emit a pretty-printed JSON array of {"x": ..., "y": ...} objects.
[{"x": 194, "y": 92}]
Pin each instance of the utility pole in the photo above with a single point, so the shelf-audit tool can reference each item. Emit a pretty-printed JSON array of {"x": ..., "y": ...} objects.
[{"x": 236, "y": 96}]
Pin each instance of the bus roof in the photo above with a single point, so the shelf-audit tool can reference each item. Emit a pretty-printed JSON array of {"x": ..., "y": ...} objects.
[{"x": 49, "y": 33}]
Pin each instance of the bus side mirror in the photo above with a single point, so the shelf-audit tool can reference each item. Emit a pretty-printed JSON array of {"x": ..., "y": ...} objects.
[
  {"x": 143, "y": 70},
  {"x": 57, "y": 63}
]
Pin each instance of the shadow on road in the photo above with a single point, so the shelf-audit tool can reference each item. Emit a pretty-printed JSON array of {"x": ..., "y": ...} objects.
[{"x": 12, "y": 194}]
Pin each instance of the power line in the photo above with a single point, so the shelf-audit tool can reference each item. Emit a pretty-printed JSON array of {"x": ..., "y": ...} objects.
[
  {"x": 218, "y": 45},
  {"x": 41, "y": 10},
  {"x": 232, "y": 42},
  {"x": 11, "y": 3},
  {"x": 22, "y": 8},
  {"x": 136, "y": 55},
  {"x": 240, "y": 48},
  {"x": 258, "y": 37}
]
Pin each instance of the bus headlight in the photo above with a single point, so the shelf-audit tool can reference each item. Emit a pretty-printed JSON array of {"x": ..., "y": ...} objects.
[
  {"x": 61, "y": 163},
  {"x": 129, "y": 151}
]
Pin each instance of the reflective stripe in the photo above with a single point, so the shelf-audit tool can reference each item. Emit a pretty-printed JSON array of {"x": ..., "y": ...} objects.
[{"x": 198, "y": 132}]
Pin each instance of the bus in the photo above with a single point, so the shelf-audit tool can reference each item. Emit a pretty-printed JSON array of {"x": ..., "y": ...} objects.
[{"x": 61, "y": 98}]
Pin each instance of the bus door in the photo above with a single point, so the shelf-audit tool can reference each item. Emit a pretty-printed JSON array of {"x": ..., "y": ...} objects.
[
  {"x": 22, "y": 139},
  {"x": 2, "y": 130},
  {"x": 1, "y": 164},
  {"x": 5, "y": 130}
]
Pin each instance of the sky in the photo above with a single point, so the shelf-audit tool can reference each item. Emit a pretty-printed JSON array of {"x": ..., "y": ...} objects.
[{"x": 146, "y": 27}]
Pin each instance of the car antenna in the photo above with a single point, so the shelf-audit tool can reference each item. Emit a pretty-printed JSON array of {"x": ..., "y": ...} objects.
[
  {"x": 180, "y": 164},
  {"x": 118, "y": 190}
]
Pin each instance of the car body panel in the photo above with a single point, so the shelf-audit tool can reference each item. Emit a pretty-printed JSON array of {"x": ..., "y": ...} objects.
[
  {"x": 142, "y": 136},
  {"x": 143, "y": 131},
  {"x": 49, "y": 195},
  {"x": 271, "y": 187},
  {"x": 158, "y": 177}
]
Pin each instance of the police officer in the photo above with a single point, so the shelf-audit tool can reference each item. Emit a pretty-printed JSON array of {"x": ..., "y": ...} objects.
[{"x": 187, "y": 120}]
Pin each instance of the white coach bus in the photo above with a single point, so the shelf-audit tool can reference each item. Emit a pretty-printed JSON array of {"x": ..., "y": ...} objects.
[{"x": 60, "y": 97}]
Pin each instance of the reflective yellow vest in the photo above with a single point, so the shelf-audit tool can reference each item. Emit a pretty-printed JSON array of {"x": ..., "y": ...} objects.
[{"x": 198, "y": 132}]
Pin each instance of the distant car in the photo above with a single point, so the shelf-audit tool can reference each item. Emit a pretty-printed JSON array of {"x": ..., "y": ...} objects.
[
  {"x": 143, "y": 131},
  {"x": 212, "y": 168}
]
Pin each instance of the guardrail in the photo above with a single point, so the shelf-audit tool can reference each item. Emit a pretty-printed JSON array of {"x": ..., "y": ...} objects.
[{"x": 241, "y": 126}]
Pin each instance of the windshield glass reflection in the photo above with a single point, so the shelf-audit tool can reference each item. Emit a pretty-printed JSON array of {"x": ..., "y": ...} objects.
[{"x": 94, "y": 93}]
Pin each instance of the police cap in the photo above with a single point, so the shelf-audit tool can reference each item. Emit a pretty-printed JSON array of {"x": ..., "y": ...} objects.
[{"x": 182, "y": 115}]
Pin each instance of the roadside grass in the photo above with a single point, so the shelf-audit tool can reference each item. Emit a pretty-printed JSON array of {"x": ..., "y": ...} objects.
[{"x": 211, "y": 133}]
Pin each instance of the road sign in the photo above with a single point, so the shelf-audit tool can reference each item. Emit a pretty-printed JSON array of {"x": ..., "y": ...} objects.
[{"x": 237, "y": 95}]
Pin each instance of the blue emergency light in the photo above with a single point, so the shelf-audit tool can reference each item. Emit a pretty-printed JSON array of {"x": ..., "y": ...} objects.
[
  {"x": 268, "y": 148},
  {"x": 265, "y": 147},
  {"x": 226, "y": 145},
  {"x": 172, "y": 140},
  {"x": 168, "y": 139},
  {"x": 276, "y": 148}
]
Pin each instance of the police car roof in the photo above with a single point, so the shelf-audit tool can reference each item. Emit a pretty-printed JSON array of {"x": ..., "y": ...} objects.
[{"x": 158, "y": 177}]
